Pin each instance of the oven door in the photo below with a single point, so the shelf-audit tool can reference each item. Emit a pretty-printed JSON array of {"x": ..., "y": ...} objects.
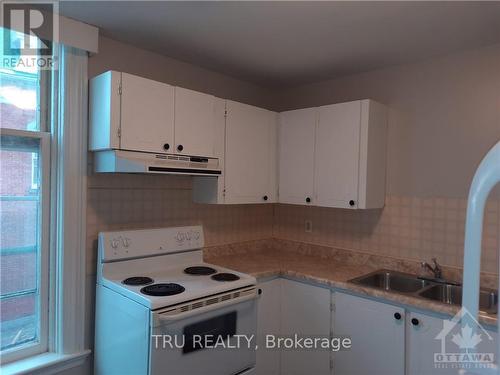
[{"x": 212, "y": 336}]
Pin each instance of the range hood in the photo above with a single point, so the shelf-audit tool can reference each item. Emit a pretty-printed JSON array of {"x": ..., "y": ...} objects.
[{"x": 119, "y": 161}]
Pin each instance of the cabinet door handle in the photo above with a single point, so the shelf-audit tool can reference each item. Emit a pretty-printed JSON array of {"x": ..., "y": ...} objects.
[
  {"x": 180, "y": 148},
  {"x": 352, "y": 203},
  {"x": 308, "y": 200},
  {"x": 397, "y": 316},
  {"x": 265, "y": 197},
  {"x": 415, "y": 321},
  {"x": 166, "y": 146}
]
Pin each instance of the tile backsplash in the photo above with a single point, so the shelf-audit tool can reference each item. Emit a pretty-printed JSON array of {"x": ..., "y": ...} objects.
[
  {"x": 407, "y": 227},
  {"x": 127, "y": 201}
]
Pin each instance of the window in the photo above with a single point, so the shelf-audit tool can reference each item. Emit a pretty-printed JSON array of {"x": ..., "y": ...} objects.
[
  {"x": 24, "y": 211},
  {"x": 43, "y": 170}
]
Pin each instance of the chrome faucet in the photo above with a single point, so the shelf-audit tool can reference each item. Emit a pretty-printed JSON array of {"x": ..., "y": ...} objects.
[{"x": 436, "y": 270}]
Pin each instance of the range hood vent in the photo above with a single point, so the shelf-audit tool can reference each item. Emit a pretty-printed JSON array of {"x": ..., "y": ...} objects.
[{"x": 118, "y": 161}]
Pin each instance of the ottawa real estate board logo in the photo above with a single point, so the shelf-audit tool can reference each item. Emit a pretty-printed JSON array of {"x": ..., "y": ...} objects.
[
  {"x": 30, "y": 33},
  {"x": 465, "y": 344}
]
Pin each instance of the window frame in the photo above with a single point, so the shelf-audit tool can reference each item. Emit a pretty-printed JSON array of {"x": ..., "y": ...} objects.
[
  {"x": 43, "y": 270},
  {"x": 45, "y": 95},
  {"x": 66, "y": 120}
]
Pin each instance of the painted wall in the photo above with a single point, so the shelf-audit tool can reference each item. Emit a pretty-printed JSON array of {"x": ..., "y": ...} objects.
[
  {"x": 444, "y": 116},
  {"x": 114, "y": 55}
]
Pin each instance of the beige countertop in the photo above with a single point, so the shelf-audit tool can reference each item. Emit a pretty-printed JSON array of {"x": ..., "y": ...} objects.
[{"x": 328, "y": 272}]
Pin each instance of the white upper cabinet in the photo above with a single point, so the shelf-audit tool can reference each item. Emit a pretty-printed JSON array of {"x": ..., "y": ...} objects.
[
  {"x": 248, "y": 159},
  {"x": 147, "y": 115},
  {"x": 104, "y": 111},
  {"x": 331, "y": 156},
  {"x": 296, "y": 156},
  {"x": 131, "y": 113},
  {"x": 337, "y": 154},
  {"x": 250, "y": 154},
  {"x": 350, "y": 155},
  {"x": 128, "y": 112},
  {"x": 334, "y": 156},
  {"x": 195, "y": 123}
]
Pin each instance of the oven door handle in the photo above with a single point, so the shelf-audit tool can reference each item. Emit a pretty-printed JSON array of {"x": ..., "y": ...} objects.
[{"x": 183, "y": 311}]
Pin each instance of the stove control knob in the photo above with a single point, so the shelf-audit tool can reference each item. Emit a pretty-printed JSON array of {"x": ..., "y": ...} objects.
[
  {"x": 189, "y": 236},
  {"x": 179, "y": 237},
  {"x": 196, "y": 235},
  {"x": 114, "y": 243},
  {"x": 126, "y": 242}
]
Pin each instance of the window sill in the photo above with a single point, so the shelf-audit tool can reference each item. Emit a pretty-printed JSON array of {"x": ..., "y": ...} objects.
[{"x": 46, "y": 363}]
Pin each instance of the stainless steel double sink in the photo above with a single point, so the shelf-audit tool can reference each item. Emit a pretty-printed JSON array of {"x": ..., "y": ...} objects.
[{"x": 436, "y": 290}]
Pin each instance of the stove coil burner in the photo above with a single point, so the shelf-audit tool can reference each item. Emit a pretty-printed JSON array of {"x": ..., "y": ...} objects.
[
  {"x": 225, "y": 277},
  {"x": 161, "y": 290},
  {"x": 200, "y": 270},
  {"x": 138, "y": 280}
]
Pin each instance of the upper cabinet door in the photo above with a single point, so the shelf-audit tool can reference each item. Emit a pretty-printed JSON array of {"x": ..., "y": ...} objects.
[
  {"x": 296, "y": 156},
  {"x": 195, "y": 123},
  {"x": 147, "y": 115},
  {"x": 337, "y": 155},
  {"x": 250, "y": 158},
  {"x": 104, "y": 111}
]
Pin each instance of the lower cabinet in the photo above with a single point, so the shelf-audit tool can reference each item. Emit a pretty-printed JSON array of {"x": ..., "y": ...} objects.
[
  {"x": 301, "y": 309},
  {"x": 386, "y": 339},
  {"x": 422, "y": 344},
  {"x": 377, "y": 332},
  {"x": 305, "y": 311},
  {"x": 428, "y": 335},
  {"x": 268, "y": 323}
]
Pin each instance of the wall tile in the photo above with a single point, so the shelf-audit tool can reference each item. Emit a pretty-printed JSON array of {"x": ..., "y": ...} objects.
[
  {"x": 407, "y": 227},
  {"x": 122, "y": 201}
]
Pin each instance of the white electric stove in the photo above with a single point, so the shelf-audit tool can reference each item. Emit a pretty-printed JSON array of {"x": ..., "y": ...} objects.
[{"x": 161, "y": 310}]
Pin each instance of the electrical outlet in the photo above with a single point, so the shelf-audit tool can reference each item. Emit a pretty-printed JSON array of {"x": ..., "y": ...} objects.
[{"x": 308, "y": 227}]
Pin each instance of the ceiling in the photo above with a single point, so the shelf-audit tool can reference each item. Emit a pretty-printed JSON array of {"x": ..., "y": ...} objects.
[{"x": 281, "y": 44}]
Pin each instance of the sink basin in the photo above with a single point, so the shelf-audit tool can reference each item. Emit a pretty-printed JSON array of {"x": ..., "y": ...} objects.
[
  {"x": 392, "y": 281},
  {"x": 442, "y": 291},
  {"x": 449, "y": 294},
  {"x": 452, "y": 294}
]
